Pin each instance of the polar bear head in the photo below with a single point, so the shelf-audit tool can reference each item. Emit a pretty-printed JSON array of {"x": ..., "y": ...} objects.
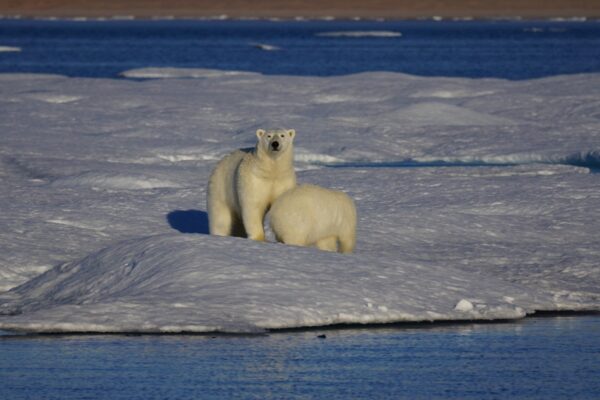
[{"x": 275, "y": 142}]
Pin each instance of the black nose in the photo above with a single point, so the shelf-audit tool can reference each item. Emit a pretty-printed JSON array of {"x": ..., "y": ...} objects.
[{"x": 275, "y": 145}]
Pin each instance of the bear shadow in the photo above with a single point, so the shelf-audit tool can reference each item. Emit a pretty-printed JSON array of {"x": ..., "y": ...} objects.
[{"x": 189, "y": 221}]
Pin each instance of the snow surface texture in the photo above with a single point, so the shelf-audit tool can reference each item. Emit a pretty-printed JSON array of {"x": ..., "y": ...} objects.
[{"x": 103, "y": 202}]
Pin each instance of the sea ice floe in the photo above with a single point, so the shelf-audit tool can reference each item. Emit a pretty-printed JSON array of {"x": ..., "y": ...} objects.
[
  {"x": 218, "y": 285},
  {"x": 94, "y": 191},
  {"x": 361, "y": 34}
]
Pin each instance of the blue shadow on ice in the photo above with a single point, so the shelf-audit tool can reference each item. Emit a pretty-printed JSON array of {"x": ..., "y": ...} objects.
[{"x": 189, "y": 221}]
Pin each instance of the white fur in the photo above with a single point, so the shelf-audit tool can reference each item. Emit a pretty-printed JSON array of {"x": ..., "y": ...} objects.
[
  {"x": 245, "y": 183},
  {"x": 310, "y": 215}
]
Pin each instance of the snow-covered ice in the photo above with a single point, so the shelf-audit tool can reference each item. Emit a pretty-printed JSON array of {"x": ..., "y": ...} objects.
[
  {"x": 154, "y": 73},
  {"x": 104, "y": 188}
]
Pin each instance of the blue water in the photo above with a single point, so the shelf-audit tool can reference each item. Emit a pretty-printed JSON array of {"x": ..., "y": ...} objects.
[
  {"x": 536, "y": 358},
  {"x": 502, "y": 49}
]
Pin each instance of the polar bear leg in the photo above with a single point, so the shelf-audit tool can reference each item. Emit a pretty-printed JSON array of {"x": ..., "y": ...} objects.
[
  {"x": 327, "y": 244},
  {"x": 253, "y": 222},
  {"x": 220, "y": 220},
  {"x": 347, "y": 242}
]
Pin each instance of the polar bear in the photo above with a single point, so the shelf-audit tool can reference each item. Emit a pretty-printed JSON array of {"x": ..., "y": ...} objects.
[
  {"x": 310, "y": 215},
  {"x": 245, "y": 183}
]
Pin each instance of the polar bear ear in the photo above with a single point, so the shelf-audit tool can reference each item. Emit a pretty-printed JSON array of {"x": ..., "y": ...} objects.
[
  {"x": 291, "y": 133},
  {"x": 260, "y": 133}
]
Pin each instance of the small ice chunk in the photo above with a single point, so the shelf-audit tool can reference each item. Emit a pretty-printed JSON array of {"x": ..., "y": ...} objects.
[
  {"x": 464, "y": 306},
  {"x": 9, "y": 49},
  {"x": 265, "y": 47}
]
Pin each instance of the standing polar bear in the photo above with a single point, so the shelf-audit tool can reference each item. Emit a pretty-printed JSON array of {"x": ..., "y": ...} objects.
[
  {"x": 310, "y": 215},
  {"x": 245, "y": 183}
]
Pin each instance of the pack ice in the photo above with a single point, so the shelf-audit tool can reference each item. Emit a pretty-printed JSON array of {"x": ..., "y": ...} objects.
[{"x": 104, "y": 226}]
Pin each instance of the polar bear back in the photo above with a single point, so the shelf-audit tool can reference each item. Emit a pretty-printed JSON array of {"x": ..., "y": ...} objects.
[{"x": 310, "y": 215}]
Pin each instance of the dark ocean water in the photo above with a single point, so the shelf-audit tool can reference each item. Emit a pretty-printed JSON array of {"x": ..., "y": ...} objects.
[
  {"x": 503, "y": 49},
  {"x": 536, "y": 358}
]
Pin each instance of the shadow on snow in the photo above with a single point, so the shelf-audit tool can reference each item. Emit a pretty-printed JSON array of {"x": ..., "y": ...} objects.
[{"x": 189, "y": 221}]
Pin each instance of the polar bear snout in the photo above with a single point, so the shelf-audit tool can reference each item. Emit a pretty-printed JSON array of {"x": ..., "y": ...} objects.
[{"x": 275, "y": 142}]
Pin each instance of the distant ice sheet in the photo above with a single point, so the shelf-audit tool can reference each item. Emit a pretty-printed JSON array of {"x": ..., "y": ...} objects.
[
  {"x": 9, "y": 49},
  {"x": 104, "y": 224},
  {"x": 153, "y": 73},
  {"x": 358, "y": 34}
]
